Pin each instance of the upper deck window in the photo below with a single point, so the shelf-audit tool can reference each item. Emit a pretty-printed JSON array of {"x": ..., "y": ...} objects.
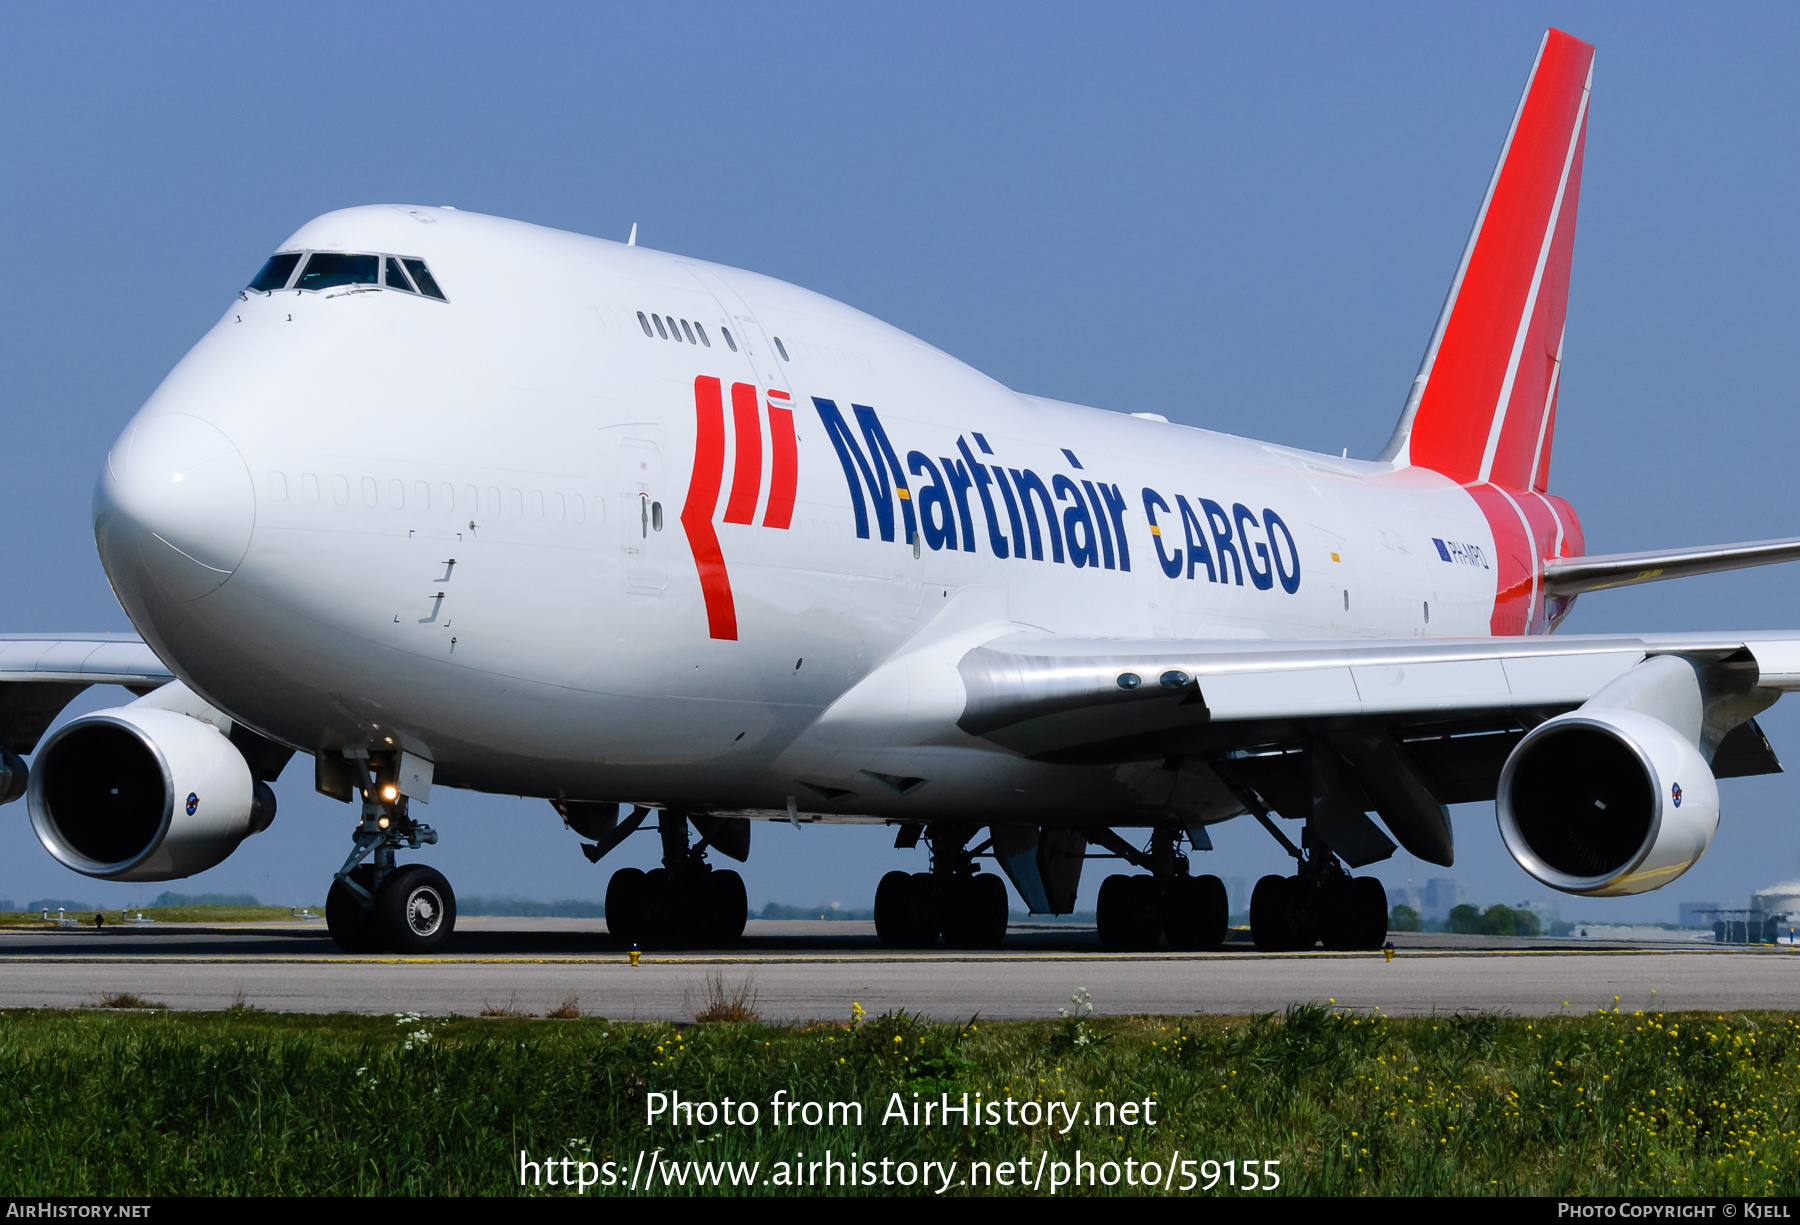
[
  {"x": 277, "y": 272},
  {"x": 331, "y": 269}
]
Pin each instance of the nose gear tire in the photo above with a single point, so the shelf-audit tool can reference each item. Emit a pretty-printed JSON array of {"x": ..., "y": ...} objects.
[{"x": 415, "y": 910}]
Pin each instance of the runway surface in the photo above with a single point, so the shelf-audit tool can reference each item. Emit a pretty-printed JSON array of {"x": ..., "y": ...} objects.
[{"x": 803, "y": 970}]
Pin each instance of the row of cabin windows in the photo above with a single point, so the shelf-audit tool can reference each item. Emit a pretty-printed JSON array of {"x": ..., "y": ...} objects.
[
  {"x": 671, "y": 328},
  {"x": 445, "y": 497},
  {"x": 330, "y": 269},
  {"x": 675, "y": 329}
]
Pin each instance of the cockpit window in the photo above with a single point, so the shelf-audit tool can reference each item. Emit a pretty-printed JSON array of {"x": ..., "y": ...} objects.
[
  {"x": 328, "y": 269},
  {"x": 331, "y": 269},
  {"x": 421, "y": 276},
  {"x": 276, "y": 273}
]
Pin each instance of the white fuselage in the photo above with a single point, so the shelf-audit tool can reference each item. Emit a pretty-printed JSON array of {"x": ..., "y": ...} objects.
[{"x": 527, "y": 427}]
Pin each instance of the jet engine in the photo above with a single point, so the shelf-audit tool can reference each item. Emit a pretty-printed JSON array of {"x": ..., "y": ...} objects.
[
  {"x": 144, "y": 794},
  {"x": 1605, "y": 802}
]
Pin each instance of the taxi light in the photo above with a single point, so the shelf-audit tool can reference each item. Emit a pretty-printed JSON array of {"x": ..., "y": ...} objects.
[
  {"x": 381, "y": 823},
  {"x": 390, "y": 792}
]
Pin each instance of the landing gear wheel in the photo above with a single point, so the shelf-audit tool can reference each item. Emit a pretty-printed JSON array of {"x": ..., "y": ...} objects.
[
  {"x": 1128, "y": 912},
  {"x": 893, "y": 910},
  {"x": 1110, "y": 919},
  {"x": 1340, "y": 920},
  {"x": 347, "y": 916},
  {"x": 1197, "y": 913},
  {"x": 975, "y": 912},
  {"x": 1273, "y": 923},
  {"x": 1304, "y": 901},
  {"x": 925, "y": 911},
  {"x": 1368, "y": 906},
  {"x": 729, "y": 907},
  {"x": 415, "y": 910},
  {"x": 625, "y": 905}
]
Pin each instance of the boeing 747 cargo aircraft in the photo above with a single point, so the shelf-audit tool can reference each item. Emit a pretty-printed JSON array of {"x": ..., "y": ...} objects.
[{"x": 447, "y": 500}]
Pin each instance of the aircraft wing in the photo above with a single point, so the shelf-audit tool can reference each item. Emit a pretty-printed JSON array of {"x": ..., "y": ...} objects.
[
  {"x": 1096, "y": 700},
  {"x": 1574, "y": 575},
  {"x": 42, "y": 673}
]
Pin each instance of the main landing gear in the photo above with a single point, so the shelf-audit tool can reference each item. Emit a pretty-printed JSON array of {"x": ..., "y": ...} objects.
[
  {"x": 687, "y": 901},
  {"x": 379, "y": 906},
  {"x": 955, "y": 900},
  {"x": 1134, "y": 912},
  {"x": 1320, "y": 903}
]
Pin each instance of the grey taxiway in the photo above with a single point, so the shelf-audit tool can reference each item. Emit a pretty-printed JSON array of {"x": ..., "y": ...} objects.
[{"x": 803, "y": 970}]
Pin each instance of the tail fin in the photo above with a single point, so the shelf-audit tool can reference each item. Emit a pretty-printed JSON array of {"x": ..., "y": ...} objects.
[{"x": 1483, "y": 407}]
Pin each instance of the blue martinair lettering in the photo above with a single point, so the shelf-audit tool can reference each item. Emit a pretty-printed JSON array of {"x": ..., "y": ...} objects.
[{"x": 859, "y": 472}]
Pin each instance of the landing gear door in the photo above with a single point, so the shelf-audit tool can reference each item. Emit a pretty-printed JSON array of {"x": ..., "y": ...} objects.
[{"x": 643, "y": 516}]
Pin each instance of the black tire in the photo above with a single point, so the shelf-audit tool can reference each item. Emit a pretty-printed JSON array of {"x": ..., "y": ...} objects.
[
  {"x": 690, "y": 908},
  {"x": 1196, "y": 914},
  {"x": 974, "y": 912},
  {"x": 1340, "y": 921},
  {"x": 415, "y": 910},
  {"x": 1304, "y": 905},
  {"x": 988, "y": 911},
  {"x": 730, "y": 906},
  {"x": 1272, "y": 915},
  {"x": 926, "y": 913},
  {"x": 893, "y": 910},
  {"x": 1145, "y": 901},
  {"x": 1370, "y": 906},
  {"x": 347, "y": 915},
  {"x": 625, "y": 905},
  {"x": 656, "y": 916},
  {"x": 1112, "y": 919}
]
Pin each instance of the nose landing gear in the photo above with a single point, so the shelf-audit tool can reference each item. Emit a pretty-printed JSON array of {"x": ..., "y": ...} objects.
[{"x": 379, "y": 906}]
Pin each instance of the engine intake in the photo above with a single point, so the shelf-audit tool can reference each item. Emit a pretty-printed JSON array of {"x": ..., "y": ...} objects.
[
  {"x": 143, "y": 794},
  {"x": 1605, "y": 802}
]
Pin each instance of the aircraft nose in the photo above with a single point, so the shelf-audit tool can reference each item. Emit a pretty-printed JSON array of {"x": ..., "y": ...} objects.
[{"x": 175, "y": 506}]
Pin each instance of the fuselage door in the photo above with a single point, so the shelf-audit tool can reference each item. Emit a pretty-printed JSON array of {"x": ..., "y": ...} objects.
[
  {"x": 748, "y": 336},
  {"x": 643, "y": 515}
]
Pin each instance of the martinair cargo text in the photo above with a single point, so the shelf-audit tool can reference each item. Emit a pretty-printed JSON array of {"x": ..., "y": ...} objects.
[{"x": 451, "y": 500}]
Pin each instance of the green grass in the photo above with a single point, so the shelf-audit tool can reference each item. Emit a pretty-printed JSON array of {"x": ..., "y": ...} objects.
[
  {"x": 256, "y": 1103},
  {"x": 165, "y": 914}
]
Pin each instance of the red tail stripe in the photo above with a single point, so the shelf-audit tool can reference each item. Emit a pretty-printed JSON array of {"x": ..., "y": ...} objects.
[
  {"x": 746, "y": 473},
  {"x": 702, "y": 501},
  {"x": 784, "y": 467}
]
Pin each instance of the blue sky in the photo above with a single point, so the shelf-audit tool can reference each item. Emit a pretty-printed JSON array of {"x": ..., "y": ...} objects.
[{"x": 1240, "y": 217}]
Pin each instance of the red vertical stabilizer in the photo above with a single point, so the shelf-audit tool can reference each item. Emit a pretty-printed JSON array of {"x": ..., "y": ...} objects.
[{"x": 1483, "y": 407}]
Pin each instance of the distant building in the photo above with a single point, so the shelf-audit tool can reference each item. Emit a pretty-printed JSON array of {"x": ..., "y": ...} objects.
[
  {"x": 1696, "y": 914},
  {"x": 1407, "y": 895},
  {"x": 1777, "y": 900},
  {"x": 1443, "y": 894}
]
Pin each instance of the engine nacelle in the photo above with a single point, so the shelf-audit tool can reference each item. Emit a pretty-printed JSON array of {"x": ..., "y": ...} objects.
[
  {"x": 1605, "y": 802},
  {"x": 13, "y": 775},
  {"x": 138, "y": 793}
]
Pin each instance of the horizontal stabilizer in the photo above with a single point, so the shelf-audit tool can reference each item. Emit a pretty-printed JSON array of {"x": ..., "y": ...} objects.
[{"x": 1574, "y": 575}]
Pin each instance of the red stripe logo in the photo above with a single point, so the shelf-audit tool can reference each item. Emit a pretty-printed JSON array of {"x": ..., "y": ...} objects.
[{"x": 708, "y": 481}]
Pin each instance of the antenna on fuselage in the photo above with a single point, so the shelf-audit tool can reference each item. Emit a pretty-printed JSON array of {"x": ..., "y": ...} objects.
[{"x": 632, "y": 241}]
